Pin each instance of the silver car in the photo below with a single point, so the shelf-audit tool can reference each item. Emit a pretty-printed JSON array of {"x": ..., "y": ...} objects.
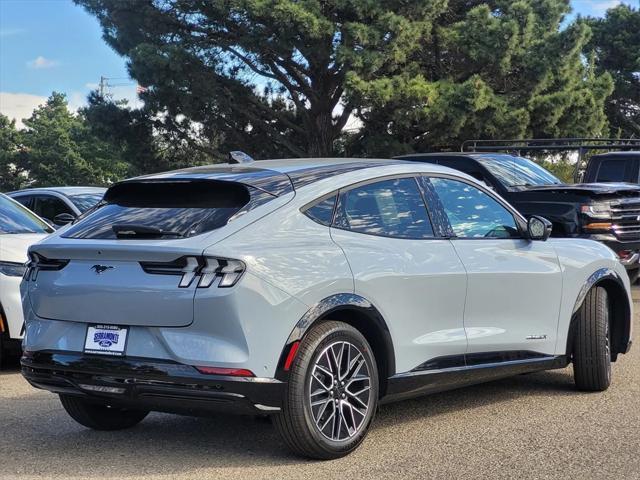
[{"x": 311, "y": 290}]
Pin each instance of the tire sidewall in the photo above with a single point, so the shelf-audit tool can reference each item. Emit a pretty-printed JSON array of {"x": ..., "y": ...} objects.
[
  {"x": 306, "y": 362},
  {"x": 606, "y": 339}
]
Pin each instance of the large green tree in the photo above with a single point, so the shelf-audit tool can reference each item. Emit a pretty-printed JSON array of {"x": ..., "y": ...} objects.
[
  {"x": 266, "y": 76},
  {"x": 487, "y": 69},
  {"x": 616, "y": 46},
  {"x": 12, "y": 175},
  {"x": 57, "y": 147},
  {"x": 148, "y": 143}
]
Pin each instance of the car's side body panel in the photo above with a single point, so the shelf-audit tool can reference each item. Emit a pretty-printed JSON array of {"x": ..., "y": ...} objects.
[
  {"x": 419, "y": 285},
  {"x": 513, "y": 296}
]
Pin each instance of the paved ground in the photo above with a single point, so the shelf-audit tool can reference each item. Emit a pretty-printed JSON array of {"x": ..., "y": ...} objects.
[{"x": 533, "y": 426}]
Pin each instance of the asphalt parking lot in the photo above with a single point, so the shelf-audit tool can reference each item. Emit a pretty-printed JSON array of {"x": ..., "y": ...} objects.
[{"x": 532, "y": 426}]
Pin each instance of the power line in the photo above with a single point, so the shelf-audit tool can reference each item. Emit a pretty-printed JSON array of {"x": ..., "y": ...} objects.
[{"x": 105, "y": 83}]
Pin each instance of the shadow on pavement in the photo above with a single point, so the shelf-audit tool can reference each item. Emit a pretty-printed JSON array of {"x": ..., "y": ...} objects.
[{"x": 51, "y": 443}]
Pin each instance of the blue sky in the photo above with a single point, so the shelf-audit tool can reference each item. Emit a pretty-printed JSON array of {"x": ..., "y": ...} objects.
[{"x": 48, "y": 45}]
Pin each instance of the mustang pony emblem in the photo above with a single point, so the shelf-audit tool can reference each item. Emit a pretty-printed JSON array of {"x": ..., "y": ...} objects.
[{"x": 101, "y": 268}]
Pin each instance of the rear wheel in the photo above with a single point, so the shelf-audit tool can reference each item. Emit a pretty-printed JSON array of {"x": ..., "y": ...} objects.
[
  {"x": 332, "y": 394},
  {"x": 592, "y": 343},
  {"x": 100, "y": 417}
]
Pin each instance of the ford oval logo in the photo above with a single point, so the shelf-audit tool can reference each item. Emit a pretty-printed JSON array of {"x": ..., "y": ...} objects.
[{"x": 101, "y": 268}]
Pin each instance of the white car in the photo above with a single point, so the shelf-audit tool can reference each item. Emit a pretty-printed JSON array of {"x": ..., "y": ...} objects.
[
  {"x": 19, "y": 228},
  {"x": 312, "y": 290}
]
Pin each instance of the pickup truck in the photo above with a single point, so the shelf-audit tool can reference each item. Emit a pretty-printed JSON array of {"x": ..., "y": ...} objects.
[{"x": 606, "y": 212}]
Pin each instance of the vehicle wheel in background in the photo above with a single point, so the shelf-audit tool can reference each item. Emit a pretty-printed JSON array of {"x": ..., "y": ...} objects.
[
  {"x": 592, "y": 343},
  {"x": 100, "y": 417},
  {"x": 332, "y": 393}
]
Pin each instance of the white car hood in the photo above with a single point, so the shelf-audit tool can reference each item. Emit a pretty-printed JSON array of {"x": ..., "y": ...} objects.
[{"x": 13, "y": 247}]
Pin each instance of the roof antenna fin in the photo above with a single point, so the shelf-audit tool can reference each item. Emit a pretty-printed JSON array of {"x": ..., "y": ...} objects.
[{"x": 238, "y": 156}]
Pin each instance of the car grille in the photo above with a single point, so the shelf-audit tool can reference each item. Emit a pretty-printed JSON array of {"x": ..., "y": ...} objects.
[{"x": 626, "y": 219}]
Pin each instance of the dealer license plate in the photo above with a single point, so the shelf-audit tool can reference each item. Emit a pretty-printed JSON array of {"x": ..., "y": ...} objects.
[{"x": 106, "y": 340}]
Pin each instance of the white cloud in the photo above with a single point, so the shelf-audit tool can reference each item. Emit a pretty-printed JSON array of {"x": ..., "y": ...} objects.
[
  {"x": 595, "y": 7},
  {"x": 41, "y": 62},
  {"x": 76, "y": 100},
  {"x": 19, "y": 106},
  {"x": 10, "y": 32}
]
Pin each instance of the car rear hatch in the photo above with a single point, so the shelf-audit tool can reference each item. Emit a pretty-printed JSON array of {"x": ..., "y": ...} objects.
[{"x": 135, "y": 260}]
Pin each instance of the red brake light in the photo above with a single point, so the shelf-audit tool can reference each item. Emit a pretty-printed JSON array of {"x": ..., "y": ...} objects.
[{"x": 231, "y": 372}]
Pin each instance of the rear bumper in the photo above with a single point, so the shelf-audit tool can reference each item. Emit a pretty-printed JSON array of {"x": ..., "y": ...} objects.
[{"x": 157, "y": 385}]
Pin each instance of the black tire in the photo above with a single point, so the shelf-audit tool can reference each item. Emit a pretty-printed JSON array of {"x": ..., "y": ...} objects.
[
  {"x": 296, "y": 423},
  {"x": 592, "y": 343},
  {"x": 100, "y": 417}
]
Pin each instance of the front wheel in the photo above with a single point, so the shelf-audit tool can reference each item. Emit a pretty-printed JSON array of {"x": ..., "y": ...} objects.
[
  {"x": 592, "y": 343},
  {"x": 100, "y": 417},
  {"x": 332, "y": 394}
]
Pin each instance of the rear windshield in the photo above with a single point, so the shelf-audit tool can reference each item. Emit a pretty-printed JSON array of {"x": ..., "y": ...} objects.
[
  {"x": 162, "y": 209},
  {"x": 14, "y": 218},
  {"x": 611, "y": 170}
]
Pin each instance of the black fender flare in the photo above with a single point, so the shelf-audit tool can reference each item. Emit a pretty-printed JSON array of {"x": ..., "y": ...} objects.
[
  {"x": 621, "y": 309},
  {"x": 323, "y": 309}
]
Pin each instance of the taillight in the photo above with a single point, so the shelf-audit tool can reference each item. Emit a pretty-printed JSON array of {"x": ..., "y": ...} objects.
[
  {"x": 38, "y": 262},
  {"x": 205, "y": 269}
]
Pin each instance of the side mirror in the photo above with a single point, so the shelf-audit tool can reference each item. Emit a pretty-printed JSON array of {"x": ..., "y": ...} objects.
[
  {"x": 539, "y": 228},
  {"x": 63, "y": 219}
]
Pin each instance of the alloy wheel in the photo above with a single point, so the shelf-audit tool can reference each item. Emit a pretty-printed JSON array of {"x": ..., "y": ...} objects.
[{"x": 340, "y": 391}]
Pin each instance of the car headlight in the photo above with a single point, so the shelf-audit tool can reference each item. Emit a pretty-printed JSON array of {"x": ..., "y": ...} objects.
[
  {"x": 12, "y": 269},
  {"x": 597, "y": 210}
]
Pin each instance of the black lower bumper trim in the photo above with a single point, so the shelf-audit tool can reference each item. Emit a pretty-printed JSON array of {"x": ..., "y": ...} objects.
[{"x": 157, "y": 385}]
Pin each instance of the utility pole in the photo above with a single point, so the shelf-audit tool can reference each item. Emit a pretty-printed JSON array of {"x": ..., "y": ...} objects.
[{"x": 103, "y": 83}]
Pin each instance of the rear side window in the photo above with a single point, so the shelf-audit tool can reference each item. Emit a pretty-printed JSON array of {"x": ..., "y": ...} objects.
[
  {"x": 390, "y": 208},
  {"x": 166, "y": 209},
  {"x": 322, "y": 211},
  {"x": 611, "y": 171}
]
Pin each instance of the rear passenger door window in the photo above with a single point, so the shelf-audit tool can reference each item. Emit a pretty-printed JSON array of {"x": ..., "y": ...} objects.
[
  {"x": 473, "y": 213},
  {"x": 26, "y": 200},
  {"x": 389, "y": 208},
  {"x": 48, "y": 207}
]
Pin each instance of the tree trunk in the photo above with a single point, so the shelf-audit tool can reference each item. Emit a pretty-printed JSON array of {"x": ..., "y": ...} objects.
[{"x": 321, "y": 135}]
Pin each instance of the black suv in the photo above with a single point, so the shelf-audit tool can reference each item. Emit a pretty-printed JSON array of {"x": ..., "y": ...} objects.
[
  {"x": 614, "y": 167},
  {"x": 606, "y": 212}
]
